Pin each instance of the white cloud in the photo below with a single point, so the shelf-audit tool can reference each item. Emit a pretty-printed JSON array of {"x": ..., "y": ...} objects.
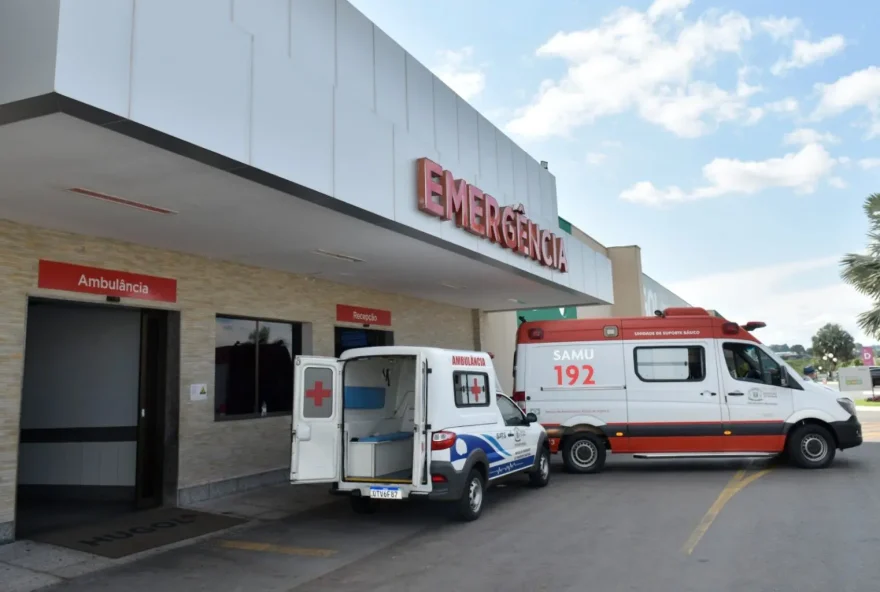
[
  {"x": 644, "y": 62},
  {"x": 805, "y": 53},
  {"x": 765, "y": 294},
  {"x": 837, "y": 183},
  {"x": 801, "y": 171},
  {"x": 804, "y": 136},
  {"x": 780, "y": 28},
  {"x": 786, "y": 105},
  {"x": 612, "y": 144},
  {"x": 860, "y": 89},
  {"x": 596, "y": 158},
  {"x": 869, "y": 163},
  {"x": 456, "y": 70}
]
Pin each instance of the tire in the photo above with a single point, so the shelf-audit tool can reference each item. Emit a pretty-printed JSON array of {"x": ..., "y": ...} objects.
[
  {"x": 811, "y": 447},
  {"x": 540, "y": 477},
  {"x": 470, "y": 506},
  {"x": 584, "y": 453},
  {"x": 363, "y": 505}
]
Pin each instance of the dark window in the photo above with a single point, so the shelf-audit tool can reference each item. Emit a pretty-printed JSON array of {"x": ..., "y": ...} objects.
[
  {"x": 253, "y": 367},
  {"x": 509, "y": 411},
  {"x": 749, "y": 363},
  {"x": 471, "y": 389},
  {"x": 685, "y": 363}
]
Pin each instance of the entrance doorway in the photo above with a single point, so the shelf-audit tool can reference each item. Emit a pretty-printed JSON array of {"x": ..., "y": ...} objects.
[
  {"x": 94, "y": 420},
  {"x": 352, "y": 337}
]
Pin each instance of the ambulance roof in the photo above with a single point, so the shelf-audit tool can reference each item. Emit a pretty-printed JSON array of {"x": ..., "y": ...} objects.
[
  {"x": 672, "y": 323},
  {"x": 406, "y": 350}
]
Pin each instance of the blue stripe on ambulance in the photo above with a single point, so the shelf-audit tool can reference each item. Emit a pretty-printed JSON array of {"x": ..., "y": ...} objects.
[{"x": 500, "y": 462}]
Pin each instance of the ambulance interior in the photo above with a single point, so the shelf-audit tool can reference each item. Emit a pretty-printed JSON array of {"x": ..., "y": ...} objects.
[{"x": 378, "y": 418}]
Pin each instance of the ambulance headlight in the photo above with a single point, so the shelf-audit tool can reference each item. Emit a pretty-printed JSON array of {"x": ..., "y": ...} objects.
[{"x": 848, "y": 405}]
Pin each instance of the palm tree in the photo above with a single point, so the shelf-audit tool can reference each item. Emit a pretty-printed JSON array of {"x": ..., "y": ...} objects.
[{"x": 862, "y": 271}]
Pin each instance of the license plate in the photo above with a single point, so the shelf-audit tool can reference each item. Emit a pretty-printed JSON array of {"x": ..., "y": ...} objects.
[{"x": 386, "y": 493}]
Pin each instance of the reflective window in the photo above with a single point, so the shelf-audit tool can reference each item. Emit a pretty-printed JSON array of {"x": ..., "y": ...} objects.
[
  {"x": 471, "y": 389},
  {"x": 509, "y": 411},
  {"x": 670, "y": 364},
  {"x": 750, "y": 363},
  {"x": 318, "y": 396},
  {"x": 253, "y": 367}
]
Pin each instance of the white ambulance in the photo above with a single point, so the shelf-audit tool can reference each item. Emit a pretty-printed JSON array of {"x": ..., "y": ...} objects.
[
  {"x": 390, "y": 423},
  {"x": 684, "y": 383}
]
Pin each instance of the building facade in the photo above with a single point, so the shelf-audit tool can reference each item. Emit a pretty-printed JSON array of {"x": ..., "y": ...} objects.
[
  {"x": 634, "y": 294},
  {"x": 194, "y": 193}
]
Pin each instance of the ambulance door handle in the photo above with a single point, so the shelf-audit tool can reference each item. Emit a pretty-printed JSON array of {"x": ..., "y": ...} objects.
[
  {"x": 711, "y": 394},
  {"x": 735, "y": 394}
]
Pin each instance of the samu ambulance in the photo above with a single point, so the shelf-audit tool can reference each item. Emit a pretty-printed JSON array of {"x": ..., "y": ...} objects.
[
  {"x": 390, "y": 423},
  {"x": 684, "y": 383}
]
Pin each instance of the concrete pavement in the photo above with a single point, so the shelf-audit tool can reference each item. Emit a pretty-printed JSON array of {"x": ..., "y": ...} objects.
[{"x": 630, "y": 528}]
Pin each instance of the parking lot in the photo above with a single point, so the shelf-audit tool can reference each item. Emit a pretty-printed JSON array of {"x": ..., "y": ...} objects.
[{"x": 642, "y": 525}]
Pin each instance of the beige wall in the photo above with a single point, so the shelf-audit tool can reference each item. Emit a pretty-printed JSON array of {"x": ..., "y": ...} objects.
[
  {"x": 209, "y": 451},
  {"x": 626, "y": 265}
]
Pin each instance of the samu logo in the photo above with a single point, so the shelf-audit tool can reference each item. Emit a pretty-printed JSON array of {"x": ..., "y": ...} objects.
[
  {"x": 755, "y": 395},
  {"x": 518, "y": 434}
]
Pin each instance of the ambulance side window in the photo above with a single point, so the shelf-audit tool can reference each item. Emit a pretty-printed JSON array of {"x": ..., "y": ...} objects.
[
  {"x": 686, "y": 363},
  {"x": 471, "y": 389},
  {"x": 748, "y": 363}
]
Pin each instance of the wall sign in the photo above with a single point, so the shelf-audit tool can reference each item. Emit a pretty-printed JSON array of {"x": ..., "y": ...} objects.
[
  {"x": 362, "y": 316},
  {"x": 54, "y": 275},
  {"x": 442, "y": 195}
]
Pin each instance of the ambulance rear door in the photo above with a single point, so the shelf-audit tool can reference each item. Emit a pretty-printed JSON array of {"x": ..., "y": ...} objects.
[{"x": 316, "y": 437}]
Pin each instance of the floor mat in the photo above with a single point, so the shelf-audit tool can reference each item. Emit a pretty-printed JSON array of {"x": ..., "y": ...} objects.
[{"x": 138, "y": 531}]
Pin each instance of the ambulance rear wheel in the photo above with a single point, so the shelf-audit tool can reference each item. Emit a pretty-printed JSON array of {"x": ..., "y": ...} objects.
[
  {"x": 583, "y": 453},
  {"x": 811, "y": 447},
  {"x": 470, "y": 506},
  {"x": 363, "y": 505}
]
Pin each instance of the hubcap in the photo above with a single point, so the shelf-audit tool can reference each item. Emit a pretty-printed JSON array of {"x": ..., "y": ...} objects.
[
  {"x": 475, "y": 495},
  {"x": 584, "y": 453},
  {"x": 814, "y": 447},
  {"x": 545, "y": 466}
]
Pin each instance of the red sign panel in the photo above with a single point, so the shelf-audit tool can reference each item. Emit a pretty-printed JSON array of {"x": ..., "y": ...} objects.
[
  {"x": 107, "y": 282},
  {"x": 441, "y": 195},
  {"x": 363, "y": 316}
]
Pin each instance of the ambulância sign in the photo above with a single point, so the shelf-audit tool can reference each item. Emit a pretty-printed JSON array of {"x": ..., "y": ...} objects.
[{"x": 443, "y": 196}]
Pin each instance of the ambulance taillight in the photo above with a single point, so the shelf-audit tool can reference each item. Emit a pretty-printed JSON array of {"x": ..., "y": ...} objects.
[
  {"x": 519, "y": 397},
  {"x": 536, "y": 333}
]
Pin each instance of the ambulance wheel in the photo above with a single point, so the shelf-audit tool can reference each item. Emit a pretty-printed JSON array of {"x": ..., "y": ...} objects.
[
  {"x": 811, "y": 447},
  {"x": 470, "y": 506},
  {"x": 583, "y": 453},
  {"x": 363, "y": 505},
  {"x": 540, "y": 477}
]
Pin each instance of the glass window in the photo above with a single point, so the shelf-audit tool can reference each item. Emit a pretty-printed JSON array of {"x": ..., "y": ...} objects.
[
  {"x": 670, "y": 364},
  {"x": 750, "y": 363},
  {"x": 253, "y": 367},
  {"x": 471, "y": 389},
  {"x": 509, "y": 411},
  {"x": 318, "y": 399}
]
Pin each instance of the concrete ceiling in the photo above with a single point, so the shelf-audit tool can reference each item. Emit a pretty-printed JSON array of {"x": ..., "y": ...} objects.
[{"x": 222, "y": 216}]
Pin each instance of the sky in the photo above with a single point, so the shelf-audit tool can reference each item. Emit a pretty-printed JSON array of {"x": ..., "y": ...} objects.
[{"x": 733, "y": 140}]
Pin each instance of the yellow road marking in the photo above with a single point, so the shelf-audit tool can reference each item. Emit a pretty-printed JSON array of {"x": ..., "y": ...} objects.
[
  {"x": 280, "y": 549},
  {"x": 737, "y": 483}
]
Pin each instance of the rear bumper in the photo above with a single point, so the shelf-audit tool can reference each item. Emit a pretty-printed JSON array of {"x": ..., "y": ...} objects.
[
  {"x": 449, "y": 490},
  {"x": 848, "y": 433}
]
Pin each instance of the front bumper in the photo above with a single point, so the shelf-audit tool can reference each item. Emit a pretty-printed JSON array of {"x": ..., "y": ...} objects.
[{"x": 848, "y": 433}]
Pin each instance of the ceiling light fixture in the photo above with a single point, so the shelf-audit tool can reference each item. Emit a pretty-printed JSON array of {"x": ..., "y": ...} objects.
[
  {"x": 120, "y": 201},
  {"x": 450, "y": 286},
  {"x": 339, "y": 256},
  {"x": 516, "y": 301}
]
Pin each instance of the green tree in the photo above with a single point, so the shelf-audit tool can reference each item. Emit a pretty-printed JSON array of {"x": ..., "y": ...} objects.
[
  {"x": 833, "y": 339},
  {"x": 862, "y": 270}
]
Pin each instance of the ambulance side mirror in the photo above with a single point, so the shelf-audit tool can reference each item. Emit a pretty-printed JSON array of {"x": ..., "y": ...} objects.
[{"x": 531, "y": 418}]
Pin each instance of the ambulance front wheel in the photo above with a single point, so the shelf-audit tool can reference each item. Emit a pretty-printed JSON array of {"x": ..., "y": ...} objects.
[
  {"x": 583, "y": 453},
  {"x": 811, "y": 446}
]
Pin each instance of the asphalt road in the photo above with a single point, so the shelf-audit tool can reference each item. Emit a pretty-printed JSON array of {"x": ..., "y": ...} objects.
[{"x": 714, "y": 526}]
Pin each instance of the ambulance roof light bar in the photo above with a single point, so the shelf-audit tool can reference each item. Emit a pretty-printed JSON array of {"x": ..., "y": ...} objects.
[{"x": 752, "y": 325}]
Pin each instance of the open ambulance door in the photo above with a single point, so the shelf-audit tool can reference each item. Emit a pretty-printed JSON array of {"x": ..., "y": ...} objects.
[
  {"x": 421, "y": 436},
  {"x": 317, "y": 420}
]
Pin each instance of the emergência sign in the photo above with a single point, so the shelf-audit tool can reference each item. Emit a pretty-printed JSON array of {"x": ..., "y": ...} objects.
[{"x": 444, "y": 196}]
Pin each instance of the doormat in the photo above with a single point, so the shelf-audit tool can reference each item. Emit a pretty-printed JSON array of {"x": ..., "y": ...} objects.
[{"x": 138, "y": 531}]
